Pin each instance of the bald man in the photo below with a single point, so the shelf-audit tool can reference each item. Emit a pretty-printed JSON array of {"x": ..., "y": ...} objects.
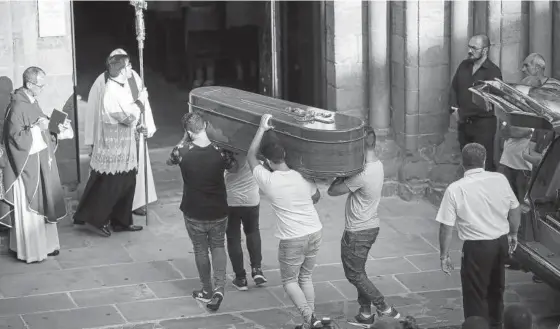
[{"x": 476, "y": 123}]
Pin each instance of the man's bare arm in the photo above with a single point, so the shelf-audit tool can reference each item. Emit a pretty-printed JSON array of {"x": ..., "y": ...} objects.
[
  {"x": 445, "y": 236},
  {"x": 316, "y": 197},
  {"x": 338, "y": 187},
  {"x": 514, "y": 219},
  {"x": 254, "y": 149}
]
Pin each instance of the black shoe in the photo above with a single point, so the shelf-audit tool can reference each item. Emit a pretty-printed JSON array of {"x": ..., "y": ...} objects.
[
  {"x": 362, "y": 319},
  {"x": 131, "y": 228},
  {"x": 240, "y": 283},
  {"x": 536, "y": 279},
  {"x": 216, "y": 301},
  {"x": 104, "y": 230},
  {"x": 79, "y": 222},
  {"x": 54, "y": 253},
  {"x": 201, "y": 295},
  {"x": 140, "y": 211},
  {"x": 258, "y": 276}
]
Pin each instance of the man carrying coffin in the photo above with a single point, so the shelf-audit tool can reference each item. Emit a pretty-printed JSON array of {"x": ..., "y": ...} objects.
[
  {"x": 34, "y": 199},
  {"x": 93, "y": 129}
]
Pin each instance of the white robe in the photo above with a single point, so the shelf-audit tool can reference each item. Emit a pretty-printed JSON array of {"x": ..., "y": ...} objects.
[{"x": 93, "y": 109}]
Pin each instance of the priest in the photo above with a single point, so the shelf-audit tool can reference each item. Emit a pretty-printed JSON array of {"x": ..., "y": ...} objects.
[
  {"x": 34, "y": 200},
  {"x": 92, "y": 130}
]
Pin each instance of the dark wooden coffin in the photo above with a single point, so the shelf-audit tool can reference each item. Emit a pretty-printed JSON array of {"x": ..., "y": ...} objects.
[{"x": 319, "y": 143}]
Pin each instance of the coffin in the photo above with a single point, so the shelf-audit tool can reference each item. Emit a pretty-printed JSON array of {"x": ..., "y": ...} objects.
[
  {"x": 318, "y": 143},
  {"x": 520, "y": 105}
]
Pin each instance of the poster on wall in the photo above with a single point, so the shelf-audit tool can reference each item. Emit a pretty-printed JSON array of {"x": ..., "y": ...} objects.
[{"x": 52, "y": 18}]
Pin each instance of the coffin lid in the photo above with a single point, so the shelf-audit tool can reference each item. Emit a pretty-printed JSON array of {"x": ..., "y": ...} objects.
[{"x": 516, "y": 107}]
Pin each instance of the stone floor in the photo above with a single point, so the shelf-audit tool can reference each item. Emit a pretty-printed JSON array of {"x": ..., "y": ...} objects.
[{"x": 144, "y": 279}]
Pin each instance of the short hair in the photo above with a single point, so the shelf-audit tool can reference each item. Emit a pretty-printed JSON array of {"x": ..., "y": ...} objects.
[
  {"x": 484, "y": 39},
  {"x": 274, "y": 152},
  {"x": 116, "y": 64},
  {"x": 31, "y": 73},
  {"x": 475, "y": 322},
  {"x": 517, "y": 317},
  {"x": 474, "y": 155},
  {"x": 537, "y": 60},
  {"x": 370, "y": 137},
  {"x": 193, "y": 122}
]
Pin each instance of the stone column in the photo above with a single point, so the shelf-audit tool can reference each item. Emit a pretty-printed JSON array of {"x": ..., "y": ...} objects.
[
  {"x": 540, "y": 31},
  {"x": 378, "y": 65},
  {"x": 556, "y": 40},
  {"x": 461, "y": 30}
]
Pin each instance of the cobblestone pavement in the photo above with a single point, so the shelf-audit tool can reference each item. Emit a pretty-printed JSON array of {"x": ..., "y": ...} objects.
[{"x": 144, "y": 279}]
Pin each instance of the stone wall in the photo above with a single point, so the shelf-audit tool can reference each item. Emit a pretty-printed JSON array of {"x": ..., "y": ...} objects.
[{"x": 21, "y": 47}]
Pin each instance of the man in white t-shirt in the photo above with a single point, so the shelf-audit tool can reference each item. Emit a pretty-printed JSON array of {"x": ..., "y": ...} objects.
[
  {"x": 487, "y": 214},
  {"x": 361, "y": 230},
  {"x": 298, "y": 226},
  {"x": 243, "y": 203}
]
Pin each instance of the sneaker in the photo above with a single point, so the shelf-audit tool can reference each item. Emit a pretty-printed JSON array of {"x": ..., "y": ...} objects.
[
  {"x": 258, "y": 276},
  {"x": 216, "y": 301},
  {"x": 240, "y": 283},
  {"x": 201, "y": 295},
  {"x": 360, "y": 318},
  {"x": 390, "y": 312},
  {"x": 315, "y": 323}
]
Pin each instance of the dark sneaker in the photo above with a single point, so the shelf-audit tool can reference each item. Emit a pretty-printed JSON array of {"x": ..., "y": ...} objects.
[
  {"x": 216, "y": 301},
  {"x": 360, "y": 318},
  {"x": 202, "y": 295},
  {"x": 240, "y": 283},
  {"x": 390, "y": 312},
  {"x": 258, "y": 276}
]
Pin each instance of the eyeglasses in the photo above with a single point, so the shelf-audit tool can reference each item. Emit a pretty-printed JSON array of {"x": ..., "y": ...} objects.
[
  {"x": 39, "y": 86},
  {"x": 476, "y": 48}
]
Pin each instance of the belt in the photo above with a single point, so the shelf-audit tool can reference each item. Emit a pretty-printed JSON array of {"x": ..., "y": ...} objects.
[{"x": 473, "y": 119}]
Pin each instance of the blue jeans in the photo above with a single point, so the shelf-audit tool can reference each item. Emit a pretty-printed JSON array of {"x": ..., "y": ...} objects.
[
  {"x": 205, "y": 235},
  {"x": 354, "y": 252},
  {"x": 297, "y": 258}
]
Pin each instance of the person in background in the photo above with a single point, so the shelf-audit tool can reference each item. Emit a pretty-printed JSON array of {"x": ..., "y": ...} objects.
[
  {"x": 487, "y": 214},
  {"x": 518, "y": 317},
  {"x": 243, "y": 201},
  {"x": 476, "y": 124},
  {"x": 361, "y": 230},
  {"x": 297, "y": 226},
  {"x": 204, "y": 204},
  {"x": 33, "y": 199}
]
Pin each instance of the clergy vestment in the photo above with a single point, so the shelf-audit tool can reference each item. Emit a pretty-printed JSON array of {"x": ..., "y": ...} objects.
[
  {"x": 92, "y": 130},
  {"x": 34, "y": 200},
  {"x": 109, "y": 192}
]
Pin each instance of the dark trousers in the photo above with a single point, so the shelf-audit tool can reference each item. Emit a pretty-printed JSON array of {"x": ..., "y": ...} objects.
[
  {"x": 481, "y": 130},
  {"x": 354, "y": 252},
  {"x": 518, "y": 180},
  {"x": 249, "y": 217},
  {"x": 483, "y": 278},
  {"x": 107, "y": 198},
  {"x": 209, "y": 235}
]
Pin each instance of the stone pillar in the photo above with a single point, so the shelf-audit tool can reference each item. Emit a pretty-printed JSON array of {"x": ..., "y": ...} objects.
[
  {"x": 349, "y": 71},
  {"x": 378, "y": 64},
  {"x": 461, "y": 31},
  {"x": 540, "y": 31},
  {"x": 480, "y": 17},
  {"x": 556, "y": 40}
]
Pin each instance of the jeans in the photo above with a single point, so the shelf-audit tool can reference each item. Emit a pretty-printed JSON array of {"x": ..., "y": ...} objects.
[
  {"x": 297, "y": 259},
  {"x": 480, "y": 130},
  {"x": 249, "y": 216},
  {"x": 354, "y": 252},
  {"x": 209, "y": 234}
]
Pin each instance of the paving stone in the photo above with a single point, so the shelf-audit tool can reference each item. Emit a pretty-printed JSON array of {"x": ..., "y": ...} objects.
[
  {"x": 329, "y": 252},
  {"x": 90, "y": 317},
  {"x": 237, "y": 301},
  {"x": 10, "y": 265},
  {"x": 275, "y": 318},
  {"x": 324, "y": 292},
  {"x": 169, "y": 213},
  {"x": 389, "y": 266},
  {"x": 15, "y": 285},
  {"x": 396, "y": 207},
  {"x": 386, "y": 284},
  {"x": 126, "y": 274},
  {"x": 435, "y": 280},
  {"x": 433, "y": 239},
  {"x": 12, "y": 322},
  {"x": 176, "y": 288},
  {"x": 105, "y": 296},
  {"x": 186, "y": 266},
  {"x": 406, "y": 245},
  {"x": 160, "y": 309},
  {"x": 75, "y": 237},
  {"x": 31, "y": 304},
  {"x": 430, "y": 262},
  {"x": 516, "y": 277},
  {"x": 447, "y": 316},
  {"x": 207, "y": 322},
  {"x": 161, "y": 249},
  {"x": 328, "y": 273},
  {"x": 413, "y": 224},
  {"x": 533, "y": 291},
  {"x": 93, "y": 256}
]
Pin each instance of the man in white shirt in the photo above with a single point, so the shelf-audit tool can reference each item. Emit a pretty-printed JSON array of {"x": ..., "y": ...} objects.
[
  {"x": 298, "y": 226},
  {"x": 361, "y": 230},
  {"x": 487, "y": 214},
  {"x": 243, "y": 205}
]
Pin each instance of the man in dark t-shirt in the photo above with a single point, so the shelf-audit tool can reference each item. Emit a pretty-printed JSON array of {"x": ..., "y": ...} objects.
[{"x": 204, "y": 204}]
